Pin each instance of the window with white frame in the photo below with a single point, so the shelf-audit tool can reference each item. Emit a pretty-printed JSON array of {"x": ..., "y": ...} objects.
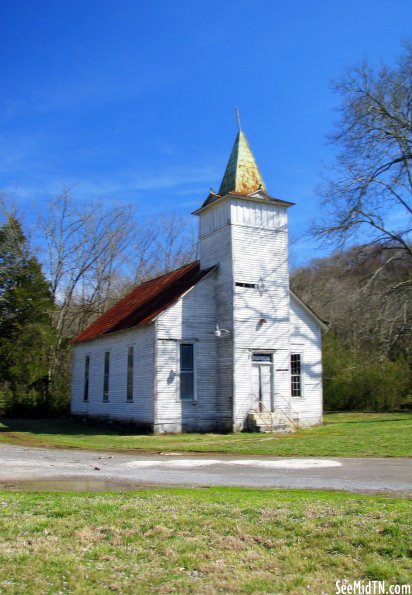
[
  {"x": 130, "y": 365},
  {"x": 262, "y": 358},
  {"x": 187, "y": 372},
  {"x": 106, "y": 376},
  {"x": 296, "y": 374}
]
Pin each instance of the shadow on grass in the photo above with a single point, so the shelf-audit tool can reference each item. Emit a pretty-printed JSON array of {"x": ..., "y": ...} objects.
[
  {"x": 70, "y": 427},
  {"x": 61, "y": 426}
]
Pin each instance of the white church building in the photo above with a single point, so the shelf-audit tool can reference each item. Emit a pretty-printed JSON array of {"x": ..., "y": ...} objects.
[{"x": 219, "y": 344}]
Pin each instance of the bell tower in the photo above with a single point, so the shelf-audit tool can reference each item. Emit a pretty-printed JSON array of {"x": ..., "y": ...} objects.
[{"x": 243, "y": 230}]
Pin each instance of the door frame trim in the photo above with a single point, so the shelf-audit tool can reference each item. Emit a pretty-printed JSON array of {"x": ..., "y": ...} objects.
[{"x": 266, "y": 364}]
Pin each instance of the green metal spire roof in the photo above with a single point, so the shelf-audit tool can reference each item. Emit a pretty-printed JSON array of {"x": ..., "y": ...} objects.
[{"x": 242, "y": 174}]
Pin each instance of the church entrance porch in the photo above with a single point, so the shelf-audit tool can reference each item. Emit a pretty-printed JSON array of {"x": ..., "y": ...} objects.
[{"x": 266, "y": 415}]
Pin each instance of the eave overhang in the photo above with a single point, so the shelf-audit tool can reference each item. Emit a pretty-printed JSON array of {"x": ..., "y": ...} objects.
[
  {"x": 267, "y": 199},
  {"x": 324, "y": 325}
]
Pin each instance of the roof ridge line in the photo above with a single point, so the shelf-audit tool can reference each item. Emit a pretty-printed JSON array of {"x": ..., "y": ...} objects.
[
  {"x": 167, "y": 273},
  {"x": 144, "y": 302},
  {"x": 237, "y": 156}
]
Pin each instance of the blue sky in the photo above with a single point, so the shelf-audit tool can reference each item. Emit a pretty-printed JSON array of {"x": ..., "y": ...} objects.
[{"x": 133, "y": 101}]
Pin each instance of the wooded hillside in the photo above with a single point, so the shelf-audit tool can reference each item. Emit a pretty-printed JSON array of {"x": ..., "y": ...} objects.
[{"x": 365, "y": 294}]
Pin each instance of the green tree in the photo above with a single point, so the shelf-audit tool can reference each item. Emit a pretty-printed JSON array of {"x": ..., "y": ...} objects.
[
  {"x": 26, "y": 331},
  {"x": 366, "y": 354},
  {"x": 360, "y": 380}
]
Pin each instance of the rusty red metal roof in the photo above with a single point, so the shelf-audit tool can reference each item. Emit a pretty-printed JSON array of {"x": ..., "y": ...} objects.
[{"x": 144, "y": 302}]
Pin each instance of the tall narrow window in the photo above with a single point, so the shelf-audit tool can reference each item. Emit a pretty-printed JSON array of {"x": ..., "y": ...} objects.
[
  {"x": 106, "y": 376},
  {"x": 296, "y": 374},
  {"x": 187, "y": 372},
  {"x": 86, "y": 378},
  {"x": 129, "y": 390}
]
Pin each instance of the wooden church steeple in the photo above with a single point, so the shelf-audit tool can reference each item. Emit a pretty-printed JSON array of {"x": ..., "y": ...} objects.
[{"x": 242, "y": 175}]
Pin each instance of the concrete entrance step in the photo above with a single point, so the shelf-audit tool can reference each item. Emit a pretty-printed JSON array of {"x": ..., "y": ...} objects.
[{"x": 266, "y": 421}]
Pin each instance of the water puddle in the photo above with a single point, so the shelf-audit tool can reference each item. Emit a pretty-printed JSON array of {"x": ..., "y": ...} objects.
[
  {"x": 257, "y": 463},
  {"x": 69, "y": 485}
]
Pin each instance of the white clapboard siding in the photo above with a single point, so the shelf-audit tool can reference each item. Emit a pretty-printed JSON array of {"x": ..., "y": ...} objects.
[
  {"x": 140, "y": 410},
  {"x": 257, "y": 215},
  {"x": 193, "y": 319},
  {"x": 216, "y": 250},
  {"x": 260, "y": 256},
  {"x": 246, "y": 242},
  {"x": 305, "y": 338},
  {"x": 214, "y": 218}
]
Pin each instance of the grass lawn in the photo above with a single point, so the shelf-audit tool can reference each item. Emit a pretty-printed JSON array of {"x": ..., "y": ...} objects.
[
  {"x": 343, "y": 434},
  {"x": 215, "y": 540}
]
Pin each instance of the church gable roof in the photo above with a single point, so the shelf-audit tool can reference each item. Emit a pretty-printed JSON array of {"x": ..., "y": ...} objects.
[
  {"x": 145, "y": 302},
  {"x": 324, "y": 325}
]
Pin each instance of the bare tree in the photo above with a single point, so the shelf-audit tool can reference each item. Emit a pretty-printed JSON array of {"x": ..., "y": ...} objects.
[
  {"x": 367, "y": 354},
  {"x": 369, "y": 189},
  {"x": 91, "y": 255},
  {"x": 175, "y": 243},
  {"x": 360, "y": 303},
  {"x": 81, "y": 245},
  {"x": 160, "y": 244}
]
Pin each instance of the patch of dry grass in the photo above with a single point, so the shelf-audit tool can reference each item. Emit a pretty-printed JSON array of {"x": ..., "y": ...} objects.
[{"x": 214, "y": 540}]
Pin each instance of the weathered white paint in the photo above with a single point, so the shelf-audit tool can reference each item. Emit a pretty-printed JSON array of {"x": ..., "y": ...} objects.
[
  {"x": 305, "y": 338},
  {"x": 214, "y": 218},
  {"x": 140, "y": 410},
  {"x": 247, "y": 243},
  {"x": 216, "y": 250},
  {"x": 241, "y": 211},
  {"x": 260, "y": 256},
  {"x": 191, "y": 319},
  {"x": 257, "y": 215},
  {"x": 262, "y": 384}
]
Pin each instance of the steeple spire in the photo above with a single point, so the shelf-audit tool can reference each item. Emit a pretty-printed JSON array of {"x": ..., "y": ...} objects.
[
  {"x": 238, "y": 119},
  {"x": 242, "y": 174}
]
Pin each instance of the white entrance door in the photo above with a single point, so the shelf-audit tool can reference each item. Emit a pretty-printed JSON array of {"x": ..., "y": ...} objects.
[{"x": 262, "y": 380}]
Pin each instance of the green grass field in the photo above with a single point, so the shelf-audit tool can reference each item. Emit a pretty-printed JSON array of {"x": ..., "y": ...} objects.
[
  {"x": 215, "y": 540},
  {"x": 343, "y": 434}
]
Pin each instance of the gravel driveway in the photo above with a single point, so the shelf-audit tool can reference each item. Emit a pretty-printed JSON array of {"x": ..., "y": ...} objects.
[{"x": 72, "y": 469}]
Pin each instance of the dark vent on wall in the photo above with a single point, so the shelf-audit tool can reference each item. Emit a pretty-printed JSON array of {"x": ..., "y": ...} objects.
[{"x": 250, "y": 285}]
